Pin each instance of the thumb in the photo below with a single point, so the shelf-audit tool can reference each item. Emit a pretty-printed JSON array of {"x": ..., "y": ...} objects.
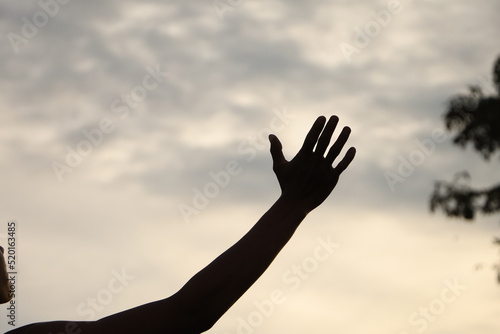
[{"x": 276, "y": 151}]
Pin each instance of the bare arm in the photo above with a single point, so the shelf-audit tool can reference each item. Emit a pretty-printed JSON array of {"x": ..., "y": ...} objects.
[{"x": 306, "y": 181}]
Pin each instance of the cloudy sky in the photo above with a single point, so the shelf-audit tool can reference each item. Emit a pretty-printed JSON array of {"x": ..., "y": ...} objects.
[{"x": 117, "y": 114}]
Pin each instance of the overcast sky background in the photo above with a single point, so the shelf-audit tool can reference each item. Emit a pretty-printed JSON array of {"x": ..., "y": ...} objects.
[{"x": 229, "y": 76}]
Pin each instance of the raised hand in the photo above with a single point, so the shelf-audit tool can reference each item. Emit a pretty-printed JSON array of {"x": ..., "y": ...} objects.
[
  {"x": 306, "y": 181},
  {"x": 309, "y": 178}
]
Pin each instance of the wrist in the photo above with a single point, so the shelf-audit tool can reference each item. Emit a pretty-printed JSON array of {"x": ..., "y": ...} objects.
[{"x": 293, "y": 206}]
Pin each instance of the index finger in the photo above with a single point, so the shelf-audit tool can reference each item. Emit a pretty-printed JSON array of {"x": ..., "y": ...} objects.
[{"x": 313, "y": 134}]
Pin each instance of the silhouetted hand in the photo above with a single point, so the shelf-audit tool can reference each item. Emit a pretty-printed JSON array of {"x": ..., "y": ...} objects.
[
  {"x": 306, "y": 181},
  {"x": 309, "y": 178}
]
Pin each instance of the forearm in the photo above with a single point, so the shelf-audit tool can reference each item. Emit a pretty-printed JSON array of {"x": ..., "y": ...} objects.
[
  {"x": 219, "y": 285},
  {"x": 306, "y": 181}
]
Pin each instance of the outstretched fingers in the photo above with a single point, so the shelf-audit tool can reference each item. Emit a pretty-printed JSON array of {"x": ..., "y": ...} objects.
[
  {"x": 338, "y": 145},
  {"x": 313, "y": 134},
  {"x": 346, "y": 160},
  {"x": 318, "y": 138},
  {"x": 326, "y": 135}
]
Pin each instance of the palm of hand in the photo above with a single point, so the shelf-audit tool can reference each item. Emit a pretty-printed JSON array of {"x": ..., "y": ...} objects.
[{"x": 309, "y": 178}]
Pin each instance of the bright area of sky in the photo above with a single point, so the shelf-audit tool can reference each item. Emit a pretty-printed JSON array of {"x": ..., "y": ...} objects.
[{"x": 134, "y": 151}]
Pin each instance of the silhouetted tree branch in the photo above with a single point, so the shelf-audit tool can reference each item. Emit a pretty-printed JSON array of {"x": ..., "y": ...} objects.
[
  {"x": 475, "y": 119},
  {"x": 461, "y": 201}
]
